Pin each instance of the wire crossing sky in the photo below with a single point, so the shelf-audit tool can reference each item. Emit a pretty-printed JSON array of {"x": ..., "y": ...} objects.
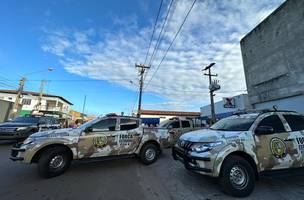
[{"x": 93, "y": 47}]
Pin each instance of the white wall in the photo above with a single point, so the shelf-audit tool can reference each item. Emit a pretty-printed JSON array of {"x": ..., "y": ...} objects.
[
  {"x": 241, "y": 103},
  {"x": 34, "y": 100},
  {"x": 161, "y": 117},
  {"x": 295, "y": 103}
]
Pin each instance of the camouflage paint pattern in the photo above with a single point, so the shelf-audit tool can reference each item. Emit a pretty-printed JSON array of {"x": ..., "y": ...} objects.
[
  {"x": 93, "y": 144},
  {"x": 269, "y": 152}
]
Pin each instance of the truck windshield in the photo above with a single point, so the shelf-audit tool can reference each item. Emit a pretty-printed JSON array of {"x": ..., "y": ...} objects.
[
  {"x": 89, "y": 123},
  {"x": 234, "y": 123},
  {"x": 165, "y": 123},
  {"x": 27, "y": 120}
]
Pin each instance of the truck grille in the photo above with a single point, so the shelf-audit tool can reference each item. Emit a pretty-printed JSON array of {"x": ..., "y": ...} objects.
[
  {"x": 185, "y": 144},
  {"x": 8, "y": 129}
]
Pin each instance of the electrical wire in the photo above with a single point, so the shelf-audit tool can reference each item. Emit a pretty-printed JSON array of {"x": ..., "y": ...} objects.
[
  {"x": 159, "y": 9},
  {"x": 160, "y": 35},
  {"x": 170, "y": 44}
]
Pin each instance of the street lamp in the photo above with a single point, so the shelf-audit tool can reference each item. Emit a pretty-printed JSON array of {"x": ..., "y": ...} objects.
[{"x": 50, "y": 69}]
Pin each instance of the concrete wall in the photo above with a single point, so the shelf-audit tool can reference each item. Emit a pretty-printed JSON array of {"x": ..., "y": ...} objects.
[
  {"x": 273, "y": 57},
  {"x": 241, "y": 103},
  {"x": 295, "y": 103},
  {"x": 5, "y": 107}
]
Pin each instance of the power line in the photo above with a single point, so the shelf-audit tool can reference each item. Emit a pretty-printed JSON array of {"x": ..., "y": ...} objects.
[
  {"x": 8, "y": 85},
  {"x": 7, "y": 81},
  {"x": 76, "y": 80},
  {"x": 160, "y": 35},
  {"x": 171, "y": 43},
  {"x": 161, "y": 3}
]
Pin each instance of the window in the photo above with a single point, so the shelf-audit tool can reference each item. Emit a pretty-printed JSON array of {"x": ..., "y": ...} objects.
[
  {"x": 26, "y": 101},
  {"x": 185, "y": 124},
  {"x": 42, "y": 120},
  {"x": 128, "y": 124},
  {"x": 234, "y": 123},
  {"x": 174, "y": 124},
  {"x": 296, "y": 122},
  {"x": 27, "y": 120},
  {"x": 104, "y": 125},
  {"x": 10, "y": 98},
  {"x": 275, "y": 122}
]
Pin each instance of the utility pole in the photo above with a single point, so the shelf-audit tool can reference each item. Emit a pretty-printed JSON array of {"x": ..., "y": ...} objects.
[
  {"x": 142, "y": 69},
  {"x": 84, "y": 103},
  {"x": 18, "y": 97},
  {"x": 213, "y": 86},
  {"x": 38, "y": 105}
]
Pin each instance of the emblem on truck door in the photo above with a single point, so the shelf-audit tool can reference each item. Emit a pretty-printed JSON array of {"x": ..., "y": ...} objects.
[
  {"x": 100, "y": 141},
  {"x": 278, "y": 148}
]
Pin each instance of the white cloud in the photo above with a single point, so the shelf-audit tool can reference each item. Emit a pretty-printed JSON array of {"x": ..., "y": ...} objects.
[{"x": 211, "y": 34}]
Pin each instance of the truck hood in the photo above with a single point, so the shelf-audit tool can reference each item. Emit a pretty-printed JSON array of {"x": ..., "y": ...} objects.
[
  {"x": 58, "y": 133},
  {"x": 208, "y": 135}
]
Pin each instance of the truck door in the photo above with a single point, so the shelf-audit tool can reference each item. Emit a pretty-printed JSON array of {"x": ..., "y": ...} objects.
[
  {"x": 296, "y": 124},
  {"x": 174, "y": 131},
  {"x": 186, "y": 126},
  {"x": 100, "y": 139},
  {"x": 129, "y": 135},
  {"x": 274, "y": 148}
]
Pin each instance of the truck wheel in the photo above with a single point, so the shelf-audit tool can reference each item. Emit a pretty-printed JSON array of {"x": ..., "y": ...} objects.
[
  {"x": 148, "y": 153},
  {"x": 237, "y": 177},
  {"x": 53, "y": 162}
]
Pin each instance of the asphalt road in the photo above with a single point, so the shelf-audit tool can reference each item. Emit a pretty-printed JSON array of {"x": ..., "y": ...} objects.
[{"x": 128, "y": 179}]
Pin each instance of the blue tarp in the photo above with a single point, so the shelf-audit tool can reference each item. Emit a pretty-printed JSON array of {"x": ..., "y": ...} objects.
[{"x": 154, "y": 121}]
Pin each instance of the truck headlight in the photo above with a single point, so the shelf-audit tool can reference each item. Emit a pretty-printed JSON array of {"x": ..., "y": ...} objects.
[
  {"x": 21, "y": 128},
  {"x": 203, "y": 147}
]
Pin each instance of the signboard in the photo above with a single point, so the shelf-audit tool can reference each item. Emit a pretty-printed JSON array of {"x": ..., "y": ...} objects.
[{"x": 229, "y": 102}]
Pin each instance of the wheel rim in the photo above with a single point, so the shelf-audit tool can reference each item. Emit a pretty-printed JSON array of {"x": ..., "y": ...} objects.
[
  {"x": 57, "y": 162},
  {"x": 238, "y": 177},
  {"x": 150, "y": 154}
]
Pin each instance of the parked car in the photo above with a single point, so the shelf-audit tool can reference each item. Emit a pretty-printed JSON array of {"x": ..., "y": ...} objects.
[
  {"x": 22, "y": 127},
  {"x": 110, "y": 137},
  {"x": 239, "y": 148}
]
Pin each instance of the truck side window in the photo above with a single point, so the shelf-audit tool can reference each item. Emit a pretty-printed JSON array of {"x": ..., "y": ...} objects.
[
  {"x": 185, "y": 124},
  {"x": 174, "y": 124},
  {"x": 275, "y": 122},
  {"x": 296, "y": 122},
  {"x": 128, "y": 124},
  {"x": 104, "y": 125}
]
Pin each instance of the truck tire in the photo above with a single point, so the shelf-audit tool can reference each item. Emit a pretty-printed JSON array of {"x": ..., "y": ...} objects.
[
  {"x": 237, "y": 177},
  {"x": 148, "y": 153},
  {"x": 53, "y": 162}
]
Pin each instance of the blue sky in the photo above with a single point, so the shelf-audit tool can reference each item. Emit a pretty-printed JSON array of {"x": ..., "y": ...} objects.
[{"x": 98, "y": 42}]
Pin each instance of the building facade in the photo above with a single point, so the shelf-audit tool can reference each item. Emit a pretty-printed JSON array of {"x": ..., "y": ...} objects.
[
  {"x": 226, "y": 107},
  {"x": 157, "y": 116},
  {"x": 273, "y": 58},
  {"x": 53, "y": 105}
]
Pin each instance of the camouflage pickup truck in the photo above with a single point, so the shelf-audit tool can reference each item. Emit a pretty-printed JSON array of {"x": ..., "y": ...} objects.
[
  {"x": 239, "y": 148},
  {"x": 176, "y": 126},
  {"x": 109, "y": 137}
]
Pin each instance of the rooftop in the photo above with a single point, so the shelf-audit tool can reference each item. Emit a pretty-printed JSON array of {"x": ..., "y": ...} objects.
[
  {"x": 169, "y": 113},
  {"x": 34, "y": 94}
]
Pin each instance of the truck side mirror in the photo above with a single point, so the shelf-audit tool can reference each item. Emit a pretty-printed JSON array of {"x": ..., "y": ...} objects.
[{"x": 264, "y": 130}]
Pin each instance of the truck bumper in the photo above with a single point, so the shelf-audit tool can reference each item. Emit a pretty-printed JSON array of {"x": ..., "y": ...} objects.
[
  {"x": 16, "y": 152},
  {"x": 192, "y": 163}
]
